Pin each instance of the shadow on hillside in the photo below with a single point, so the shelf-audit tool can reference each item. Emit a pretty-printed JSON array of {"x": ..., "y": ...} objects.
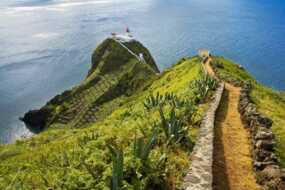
[{"x": 220, "y": 179}]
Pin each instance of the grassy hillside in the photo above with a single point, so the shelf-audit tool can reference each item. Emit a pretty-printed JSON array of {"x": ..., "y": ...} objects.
[
  {"x": 129, "y": 146},
  {"x": 114, "y": 72},
  {"x": 269, "y": 102}
]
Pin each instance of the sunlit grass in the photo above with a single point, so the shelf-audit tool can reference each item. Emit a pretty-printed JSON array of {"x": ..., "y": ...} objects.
[{"x": 55, "y": 154}]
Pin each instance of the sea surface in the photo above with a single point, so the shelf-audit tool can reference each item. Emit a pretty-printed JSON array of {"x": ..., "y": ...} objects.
[{"x": 45, "y": 45}]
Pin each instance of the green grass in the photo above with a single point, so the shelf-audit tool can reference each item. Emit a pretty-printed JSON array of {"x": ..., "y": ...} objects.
[
  {"x": 62, "y": 157},
  {"x": 269, "y": 102}
]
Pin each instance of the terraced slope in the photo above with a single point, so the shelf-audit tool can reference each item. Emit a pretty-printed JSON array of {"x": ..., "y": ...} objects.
[{"x": 114, "y": 72}]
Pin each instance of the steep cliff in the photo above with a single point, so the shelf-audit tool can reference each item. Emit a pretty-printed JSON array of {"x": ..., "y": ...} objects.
[{"x": 114, "y": 72}]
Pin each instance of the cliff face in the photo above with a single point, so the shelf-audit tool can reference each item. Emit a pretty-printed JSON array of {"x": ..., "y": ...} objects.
[{"x": 114, "y": 72}]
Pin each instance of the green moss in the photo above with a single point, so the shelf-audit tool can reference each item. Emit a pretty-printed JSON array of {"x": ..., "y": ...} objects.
[{"x": 269, "y": 102}]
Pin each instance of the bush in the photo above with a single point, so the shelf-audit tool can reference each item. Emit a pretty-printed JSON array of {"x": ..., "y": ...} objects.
[
  {"x": 202, "y": 87},
  {"x": 174, "y": 128}
]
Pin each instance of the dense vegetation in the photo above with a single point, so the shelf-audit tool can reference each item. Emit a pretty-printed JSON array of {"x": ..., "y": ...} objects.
[
  {"x": 269, "y": 102},
  {"x": 142, "y": 144}
]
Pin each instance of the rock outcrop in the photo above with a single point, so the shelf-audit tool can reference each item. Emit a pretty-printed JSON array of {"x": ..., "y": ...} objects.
[{"x": 114, "y": 72}]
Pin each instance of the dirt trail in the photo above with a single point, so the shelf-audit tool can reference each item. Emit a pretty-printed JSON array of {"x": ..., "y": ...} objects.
[{"x": 233, "y": 168}]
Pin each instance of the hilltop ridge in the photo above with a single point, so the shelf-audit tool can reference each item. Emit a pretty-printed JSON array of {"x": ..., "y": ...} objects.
[{"x": 114, "y": 72}]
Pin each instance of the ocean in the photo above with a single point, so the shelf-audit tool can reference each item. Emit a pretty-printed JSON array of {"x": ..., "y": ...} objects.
[{"x": 46, "y": 45}]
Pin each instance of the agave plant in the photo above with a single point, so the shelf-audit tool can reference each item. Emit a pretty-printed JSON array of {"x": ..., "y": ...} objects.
[
  {"x": 153, "y": 101},
  {"x": 173, "y": 127},
  {"x": 202, "y": 87},
  {"x": 143, "y": 148},
  {"x": 190, "y": 111},
  {"x": 170, "y": 96},
  {"x": 174, "y": 100},
  {"x": 211, "y": 82},
  {"x": 86, "y": 138},
  {"x": 118, "y": 168}
]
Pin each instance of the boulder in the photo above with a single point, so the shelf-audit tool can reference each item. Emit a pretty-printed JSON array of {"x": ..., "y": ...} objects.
[
  {"x": 36, "y": 120},
  {"x": 264, "y": 135},
  {"x": 261, "y": 165},
  {"x": 264, "y": 144},
  {"x": 264, "y": 121},
  {"x": 263, "y": 155},
  {"x": 272, "y": 171},
  {"x": 283, "y": 174}
]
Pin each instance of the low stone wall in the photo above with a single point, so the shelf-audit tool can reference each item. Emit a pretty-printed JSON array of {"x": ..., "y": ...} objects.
[
  {"x": 200, "y": 176},
  {"x": 269, "y": 174}
]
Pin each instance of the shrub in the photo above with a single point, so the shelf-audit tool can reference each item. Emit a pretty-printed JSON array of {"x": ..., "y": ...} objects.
[
  {"x": 142, "y": 148},
  {"x": 202, "y": 87},
  {"x": 118, "y": 168},
  {"x": 174, "y": 129},
  {"x": 153, "y": 101}
]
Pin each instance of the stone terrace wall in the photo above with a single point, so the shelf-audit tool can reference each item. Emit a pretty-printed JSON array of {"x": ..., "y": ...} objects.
[
  {"x": 269, "y": 174},
  {"x": 200, "y": 176}
]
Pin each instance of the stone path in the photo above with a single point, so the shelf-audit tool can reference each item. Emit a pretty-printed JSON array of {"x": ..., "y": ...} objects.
[
  {"x": 232, "y": 161},
  {"x": 140, "y": 59}
]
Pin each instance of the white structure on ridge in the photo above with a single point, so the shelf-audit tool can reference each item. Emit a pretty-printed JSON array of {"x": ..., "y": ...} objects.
[
  {"x": 127, "y": 37},
  {"x": 204, "y": 53}
]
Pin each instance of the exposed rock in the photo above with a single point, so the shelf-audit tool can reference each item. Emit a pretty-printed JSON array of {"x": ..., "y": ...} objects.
[
  {"x": 264, "y": 121},
  {"x": 262, "y": 165},
  {"x": 283, "y": 174},
  {"x": 271, "y": 172},
  {"x": 264, "y": 144},
  {"x": 263, "y": 155},
  {"x": 36, "y": 119},
  {"x": 270, "y": 176},
  {"x": 262, "y": 135}
]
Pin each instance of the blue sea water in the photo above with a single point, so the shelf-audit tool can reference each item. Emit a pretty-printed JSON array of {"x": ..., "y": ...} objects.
[{"x": 45, "y": 45}]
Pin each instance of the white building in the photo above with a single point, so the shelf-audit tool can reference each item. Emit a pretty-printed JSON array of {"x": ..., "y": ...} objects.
[
  {"x": 127, "y": 37},
  {"x": 123, "y": 37},
  {"x": 204, "y": 53}
]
